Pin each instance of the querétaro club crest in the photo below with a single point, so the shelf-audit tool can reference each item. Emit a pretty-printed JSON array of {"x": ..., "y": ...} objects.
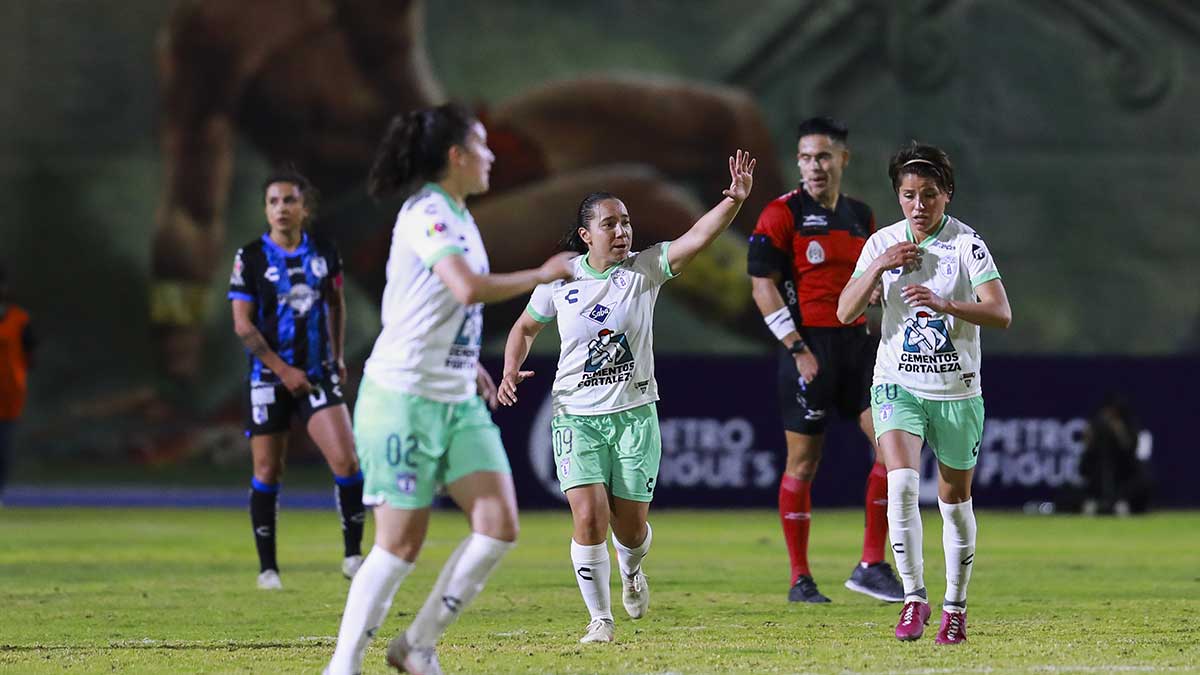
[
  {"x": 607, "y": 349},
  {"x": 926, "y": 334}
]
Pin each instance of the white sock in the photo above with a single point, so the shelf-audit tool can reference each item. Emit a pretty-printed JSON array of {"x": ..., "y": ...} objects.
[
  {"x": 367, "y": 604},
  {"x": 463, "y": 577},
  {"x": 958, "y": 543},
  {"x": 592, "y": 572},
  {"x": 630, "y": 559},
  {"x": 904, "y": 529}
]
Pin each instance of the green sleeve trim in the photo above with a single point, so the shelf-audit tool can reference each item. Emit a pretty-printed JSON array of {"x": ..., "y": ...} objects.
[
  {"x": 536, "y": 316},
  {"x": 856, "y": 274},
  {"x": 666, "y": 263},
  {"x": 442, "y": 253},
  {"x": 984, "y": 278}
]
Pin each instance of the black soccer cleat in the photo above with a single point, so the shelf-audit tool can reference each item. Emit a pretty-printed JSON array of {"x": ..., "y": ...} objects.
[
  {"x": 805, "y": 590},
  {"x": 876, "y": 580}
]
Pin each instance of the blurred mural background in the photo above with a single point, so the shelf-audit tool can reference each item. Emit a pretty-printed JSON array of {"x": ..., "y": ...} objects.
[{"x": 1072, "y": 125}]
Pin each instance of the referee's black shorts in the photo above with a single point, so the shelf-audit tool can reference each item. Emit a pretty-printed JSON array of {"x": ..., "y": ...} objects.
[{"x": 846, "y": 363}]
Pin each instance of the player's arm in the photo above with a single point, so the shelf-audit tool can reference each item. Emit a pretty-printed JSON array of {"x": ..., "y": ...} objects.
[
  {"x": 990, "y": 310},
  {"x": 710, "y": 226},
  {"x": 516, "y": 349},
  {"x": 857, "y": 294},
  {"x": 336, "y": 322},
  {"x": 469, "y": 288},
  {"x": 778, "y": 318},
  {"x": 243, "y": 324}
]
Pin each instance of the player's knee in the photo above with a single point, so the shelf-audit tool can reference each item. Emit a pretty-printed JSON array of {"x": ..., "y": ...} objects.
[{"x": 496, "y": 520}]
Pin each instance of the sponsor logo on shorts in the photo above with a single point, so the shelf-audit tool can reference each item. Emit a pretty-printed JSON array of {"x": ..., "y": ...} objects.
[
  {"x": 564, "y": 466},
  {"x": 885, "y": 412},
  {"x": 406, "y": 482}
]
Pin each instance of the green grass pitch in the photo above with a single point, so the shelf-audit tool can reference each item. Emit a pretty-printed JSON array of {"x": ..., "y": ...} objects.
[{"x": 157, "y": 591}]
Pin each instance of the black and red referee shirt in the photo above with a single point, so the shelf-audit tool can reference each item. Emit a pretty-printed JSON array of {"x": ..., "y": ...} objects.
[{"x": 814, "y": 251}]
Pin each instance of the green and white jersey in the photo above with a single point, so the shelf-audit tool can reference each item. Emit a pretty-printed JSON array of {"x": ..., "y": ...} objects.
[
  {"x": 430, "y": 342},
  {"x": 605, "y": 323},
  {"x": 932, "y": 355}
]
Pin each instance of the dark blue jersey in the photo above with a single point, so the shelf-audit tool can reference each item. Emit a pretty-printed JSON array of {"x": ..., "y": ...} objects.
[{"x": 290, "y": 291}]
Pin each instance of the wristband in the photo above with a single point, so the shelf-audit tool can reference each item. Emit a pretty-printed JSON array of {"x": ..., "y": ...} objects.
[{"x": 780, "y": 322}]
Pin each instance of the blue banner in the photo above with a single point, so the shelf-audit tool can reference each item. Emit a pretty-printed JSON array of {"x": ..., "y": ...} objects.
[{"x": 723, "y": 442}]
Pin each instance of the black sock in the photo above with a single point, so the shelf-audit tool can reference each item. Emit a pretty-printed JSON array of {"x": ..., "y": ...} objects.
[
  {"x": 351, "y": 511},
  {"x": 264, "y": 511}
]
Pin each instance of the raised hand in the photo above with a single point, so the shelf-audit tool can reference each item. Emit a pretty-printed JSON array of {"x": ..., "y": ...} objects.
[{"x": 741, "y": 176}]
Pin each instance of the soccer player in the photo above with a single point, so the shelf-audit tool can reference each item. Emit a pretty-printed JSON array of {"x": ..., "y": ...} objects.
[
  {"x": 801, "y": 254},
  {"x": 16, "y": 355},
  {"x": 939, "y": 285},
  {"x": 421, "y": 420},
  {"x": 289, "y": 309},
  {"x": 606, "y": 439}
]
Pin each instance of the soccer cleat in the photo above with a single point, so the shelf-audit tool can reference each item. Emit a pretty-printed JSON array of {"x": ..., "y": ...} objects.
[
  {"x": 876, "y": 580},
  {"x": 913, "y": 618},
  {"x": 599, "y": 630},
  {"x": 954, "y": 628},
  {"x": 268, "y": 580},
  {"x": 635, "y": 594},
  {"x": 350, "y": 565},
  {"x": 805, "y": 590},
  {"x": 413, "y": 660}
]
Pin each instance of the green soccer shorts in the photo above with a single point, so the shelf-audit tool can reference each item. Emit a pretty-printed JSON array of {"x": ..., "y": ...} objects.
[
  {"x": 954, "y": 429},
  {"x": 409, "y": 445},
  {"x": 620, "y": 450}
]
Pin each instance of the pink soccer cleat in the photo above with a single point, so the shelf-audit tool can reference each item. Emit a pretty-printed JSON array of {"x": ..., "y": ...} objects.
[
  {"x": 913, "y": 618},
  {"x": 954, "y": 628}
]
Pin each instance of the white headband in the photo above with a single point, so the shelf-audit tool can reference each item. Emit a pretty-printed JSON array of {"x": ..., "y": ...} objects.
[{"x": 914, "y": 161}]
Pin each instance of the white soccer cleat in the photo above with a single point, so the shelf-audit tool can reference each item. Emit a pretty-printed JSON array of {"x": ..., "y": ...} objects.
[
  {"x": 350, "y": 565},
  {"x": 599, "y": 630},
  {"x": 413, "y": 660},
  {"x": 269, "y": 581},
  {"x": 635, "y": 594}
]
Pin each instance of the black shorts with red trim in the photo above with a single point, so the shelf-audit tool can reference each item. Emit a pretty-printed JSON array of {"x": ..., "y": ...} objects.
[{"x": 846, "y": 364}]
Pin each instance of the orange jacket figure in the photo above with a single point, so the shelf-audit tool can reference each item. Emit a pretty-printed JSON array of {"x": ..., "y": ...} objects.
[{"x": 14, "y": 360}]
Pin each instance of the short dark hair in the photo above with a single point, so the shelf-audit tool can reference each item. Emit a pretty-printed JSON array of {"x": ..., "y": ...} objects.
[
  {"x": 413, "y": 149},
  {"x": 826, "y": 126},
  {"x": 289, "y": 174},
  {"x": 571, "y": 241},
  {"x": 922, "y": 159}
]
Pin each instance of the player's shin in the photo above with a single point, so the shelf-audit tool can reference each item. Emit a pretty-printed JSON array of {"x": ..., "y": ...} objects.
[
  {"x": 958, "y": 544},
  {"x": 351, "y": 511},
  {"x": 462, "y": 578},
  {"x": 367, "y": 605},
  {"x": 630, "y": 559},
  {"x": 904, "y": 529},
  {"x": 593, "y": 570}
]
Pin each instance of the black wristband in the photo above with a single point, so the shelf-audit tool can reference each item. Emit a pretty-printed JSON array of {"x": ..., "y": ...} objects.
[{"x": 798, "y": 347}]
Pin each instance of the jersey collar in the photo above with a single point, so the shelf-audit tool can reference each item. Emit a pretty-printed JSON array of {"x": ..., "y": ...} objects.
[
  {"x": 591, "y": 271},
  {"x": 300, "y": 250},
  {"x": 908, "y": 233},
  {"x": 459, "y": 211}
]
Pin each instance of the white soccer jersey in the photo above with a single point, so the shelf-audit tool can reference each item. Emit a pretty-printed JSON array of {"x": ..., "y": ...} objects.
[
  {"x": 430, "y": 342},
  {"x": 605, "y": 322},
  {"x": 932, "y": 355}
]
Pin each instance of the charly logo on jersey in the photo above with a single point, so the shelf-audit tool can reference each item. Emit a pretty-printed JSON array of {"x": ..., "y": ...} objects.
[
  {"x": 609, "y": 360},
  {"x": 300, "y": 298},
  {"x": 272, "y": 274},
  {"x": 319, "y": 267},
  {"x": 599, "y": 313},
  {"x": 814, "y": 253},
  {"x": 927, "y": 347}
]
